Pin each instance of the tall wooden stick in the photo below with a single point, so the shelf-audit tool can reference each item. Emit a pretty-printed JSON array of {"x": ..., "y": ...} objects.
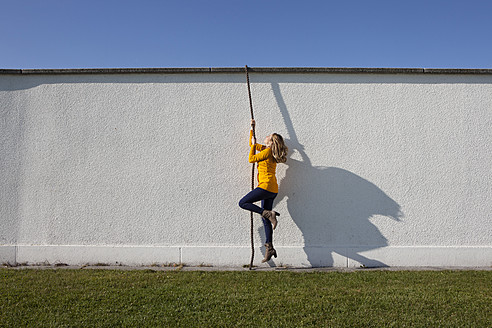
[{"x": 252, "y": 169}]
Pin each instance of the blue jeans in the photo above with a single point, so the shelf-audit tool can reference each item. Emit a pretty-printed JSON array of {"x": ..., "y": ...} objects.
[{"x": 266, "y": 198}]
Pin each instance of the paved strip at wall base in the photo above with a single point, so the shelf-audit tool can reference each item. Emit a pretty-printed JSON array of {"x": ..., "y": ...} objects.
[
  {"x": 7, "y": 254},
  {"x": 392, "y": 256}
]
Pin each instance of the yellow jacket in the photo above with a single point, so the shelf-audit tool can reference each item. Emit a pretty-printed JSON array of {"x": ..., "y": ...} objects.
[{"x": 266, "y": 166}]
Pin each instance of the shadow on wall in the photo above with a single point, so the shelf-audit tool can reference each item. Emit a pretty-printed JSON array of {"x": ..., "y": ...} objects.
[
  {"x": 332, "y": 206},
  {"x": 13, "y": 82}
]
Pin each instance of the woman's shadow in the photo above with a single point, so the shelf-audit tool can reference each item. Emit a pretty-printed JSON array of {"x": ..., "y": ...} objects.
[{"x": 331, "y": 206}]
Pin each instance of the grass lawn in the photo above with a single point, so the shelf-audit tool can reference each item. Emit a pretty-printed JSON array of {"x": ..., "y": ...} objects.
[{"x": 113, "y": 298}]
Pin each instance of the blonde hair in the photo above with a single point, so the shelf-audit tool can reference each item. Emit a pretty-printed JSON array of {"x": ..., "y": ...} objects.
[{"x": 279, "y": 149}]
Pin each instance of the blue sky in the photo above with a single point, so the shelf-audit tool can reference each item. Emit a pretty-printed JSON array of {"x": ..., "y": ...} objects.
[{"x": 268, "y": 33}]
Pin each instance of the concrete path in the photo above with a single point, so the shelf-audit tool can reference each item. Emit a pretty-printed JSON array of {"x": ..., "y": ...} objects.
[{"x": 206, "y": 268}]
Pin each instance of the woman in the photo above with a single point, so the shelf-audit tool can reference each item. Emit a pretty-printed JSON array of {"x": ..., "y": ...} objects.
[{"x": 274, "y": 152}]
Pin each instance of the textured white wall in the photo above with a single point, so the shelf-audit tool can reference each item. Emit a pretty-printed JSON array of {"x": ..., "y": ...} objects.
[{"x": 390, "y": 169}]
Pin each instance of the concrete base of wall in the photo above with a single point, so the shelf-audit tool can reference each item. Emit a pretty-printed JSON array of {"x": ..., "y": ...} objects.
[{"x": 350, "y": 257}]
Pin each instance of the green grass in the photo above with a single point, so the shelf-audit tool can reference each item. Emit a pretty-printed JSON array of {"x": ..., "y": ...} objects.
[{"x": 113, "y": 298}]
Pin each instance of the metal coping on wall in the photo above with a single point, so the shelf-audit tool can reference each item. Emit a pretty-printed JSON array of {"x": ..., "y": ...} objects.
[{"x": 297, "y": 70}]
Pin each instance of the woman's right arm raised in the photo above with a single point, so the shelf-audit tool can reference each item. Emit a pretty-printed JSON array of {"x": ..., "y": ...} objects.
[{"x": 251, "y": 133}]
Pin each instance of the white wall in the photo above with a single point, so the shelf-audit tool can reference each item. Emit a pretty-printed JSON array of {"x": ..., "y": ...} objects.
[{"x": 384, "y": 169}]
